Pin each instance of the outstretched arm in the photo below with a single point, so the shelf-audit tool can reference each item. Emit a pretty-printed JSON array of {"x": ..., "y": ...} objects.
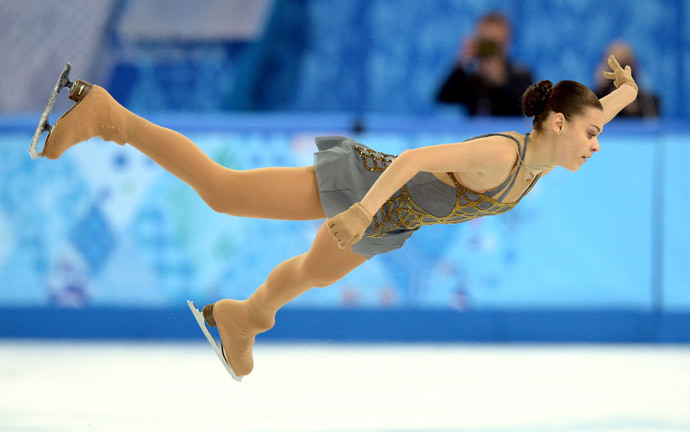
[
  {"x": 478, "y": 155},
  {"x": 473, "y": 156},
  {"x": 625, "y": 93}
]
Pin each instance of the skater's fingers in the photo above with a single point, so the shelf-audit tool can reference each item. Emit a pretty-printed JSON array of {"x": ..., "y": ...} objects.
[
  {"x": 341, "y": 240},
  {"x": 610, "y": 75},
  {"x": 614, "y": 63},
  {"x": 354, "y": 240}
]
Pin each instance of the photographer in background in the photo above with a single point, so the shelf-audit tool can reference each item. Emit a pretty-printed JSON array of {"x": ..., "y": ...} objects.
[
  {"x": 647, "y": 103},
  {"x": 483, "y": 79}
]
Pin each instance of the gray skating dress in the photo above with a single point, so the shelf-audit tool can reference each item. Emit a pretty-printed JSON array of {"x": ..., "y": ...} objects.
[{"x": 346, "y": 170}]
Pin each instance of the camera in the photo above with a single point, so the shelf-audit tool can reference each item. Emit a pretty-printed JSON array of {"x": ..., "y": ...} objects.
[{"x": 486, "y": 48}]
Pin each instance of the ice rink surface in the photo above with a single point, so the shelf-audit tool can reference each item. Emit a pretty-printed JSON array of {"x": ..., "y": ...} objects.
[{"x": 68, "y": 386}]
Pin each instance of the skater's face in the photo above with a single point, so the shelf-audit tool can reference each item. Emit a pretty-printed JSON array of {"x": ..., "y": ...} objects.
[{"x": 578, "y": 138}]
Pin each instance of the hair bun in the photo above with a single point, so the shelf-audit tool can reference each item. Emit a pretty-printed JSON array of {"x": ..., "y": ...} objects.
[{"x": 536, "y": 98}]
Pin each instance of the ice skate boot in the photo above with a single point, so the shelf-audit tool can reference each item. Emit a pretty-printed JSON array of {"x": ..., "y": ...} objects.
[
  {"x": 95, "y": 114},
  {"x": 239, "y": 326},
  {"x": 200, "y": 320}
]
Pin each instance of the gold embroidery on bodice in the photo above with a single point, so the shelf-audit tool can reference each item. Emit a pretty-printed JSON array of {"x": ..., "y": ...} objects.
[{"x": 401, "y": 212}]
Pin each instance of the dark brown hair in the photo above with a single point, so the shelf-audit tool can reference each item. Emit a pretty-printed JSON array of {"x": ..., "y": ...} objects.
[{"x": 569, "y": 98}]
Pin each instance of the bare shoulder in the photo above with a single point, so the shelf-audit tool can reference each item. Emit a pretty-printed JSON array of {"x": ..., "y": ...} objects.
[
  {"x": 500, "y": 150},
  {"x": 517, "y": 135},
  {"x": 499, "y": 141},
  {"x": 485, "y": 155}
]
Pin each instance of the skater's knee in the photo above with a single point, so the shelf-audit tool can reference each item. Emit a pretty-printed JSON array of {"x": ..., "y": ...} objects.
[
  {"x": 217, "y": 194},
  {"x": 322, "y": 282},
  {"x": 216, "y": 204}
]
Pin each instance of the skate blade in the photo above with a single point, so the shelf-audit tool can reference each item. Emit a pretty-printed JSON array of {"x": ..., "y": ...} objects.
[
  {"x": 199, "y": 316},
  {"x": 43, "y": 125}
]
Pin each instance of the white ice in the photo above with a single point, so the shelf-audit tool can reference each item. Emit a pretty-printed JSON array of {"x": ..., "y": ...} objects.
[{"x": 67, "y": 386}]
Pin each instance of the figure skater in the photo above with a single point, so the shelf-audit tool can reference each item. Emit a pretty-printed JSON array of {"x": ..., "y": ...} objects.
[{"x": 372, "y": 202}]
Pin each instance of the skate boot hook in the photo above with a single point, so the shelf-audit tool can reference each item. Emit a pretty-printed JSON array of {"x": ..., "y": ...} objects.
[{"x": 78, "y": 91}]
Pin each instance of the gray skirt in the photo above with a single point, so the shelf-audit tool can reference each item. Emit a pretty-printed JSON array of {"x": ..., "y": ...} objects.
[{"x": 342, "y": 181}]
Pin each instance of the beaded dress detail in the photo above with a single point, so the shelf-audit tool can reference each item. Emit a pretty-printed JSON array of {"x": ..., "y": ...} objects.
[{"x": 401, "y": 212}]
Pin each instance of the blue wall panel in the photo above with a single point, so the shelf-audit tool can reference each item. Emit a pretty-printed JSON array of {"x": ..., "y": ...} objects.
[{"x": 676, "y": 217}]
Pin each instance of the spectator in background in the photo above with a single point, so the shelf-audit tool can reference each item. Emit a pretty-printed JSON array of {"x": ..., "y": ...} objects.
[
  {"x": 484, "y": 79},
  {"x": 647, "y": 103}
]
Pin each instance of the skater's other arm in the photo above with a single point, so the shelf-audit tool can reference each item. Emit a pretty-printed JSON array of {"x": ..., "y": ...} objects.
[
  {"x": 625, "y": 93},
  {"x": 485, "y": 155}
]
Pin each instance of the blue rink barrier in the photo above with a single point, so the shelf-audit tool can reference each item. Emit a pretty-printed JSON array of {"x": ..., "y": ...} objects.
[
  {"x": 338, "y": 325},
  {"x": 105, "y": 244}
]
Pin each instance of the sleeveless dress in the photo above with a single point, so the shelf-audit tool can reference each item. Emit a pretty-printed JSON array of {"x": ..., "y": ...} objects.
[{"x": 346, "y": 170}]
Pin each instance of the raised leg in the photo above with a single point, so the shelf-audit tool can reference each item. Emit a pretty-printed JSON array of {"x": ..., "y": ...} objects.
[
  {"x": 240, "y": 321},
  {"x": 270, "y": 193},
  {"x": 273, "y": 193}
]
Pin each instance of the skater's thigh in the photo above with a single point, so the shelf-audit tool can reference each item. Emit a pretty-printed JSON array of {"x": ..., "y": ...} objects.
[
  {"x": 326, "y": 262},
  {"x": 286, "y": 193}
]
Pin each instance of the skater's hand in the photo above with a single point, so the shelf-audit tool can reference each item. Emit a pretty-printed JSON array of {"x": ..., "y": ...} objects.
[
  {"x": 619, "y": 75},
  {"x": 348, "y": 227}
]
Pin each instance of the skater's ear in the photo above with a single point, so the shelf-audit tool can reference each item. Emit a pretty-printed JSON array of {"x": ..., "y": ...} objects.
[{"x": 557, "y": 123}]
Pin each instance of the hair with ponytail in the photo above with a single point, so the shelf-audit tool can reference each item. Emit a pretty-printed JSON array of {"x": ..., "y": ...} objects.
[{"x": 569, "y": 98}]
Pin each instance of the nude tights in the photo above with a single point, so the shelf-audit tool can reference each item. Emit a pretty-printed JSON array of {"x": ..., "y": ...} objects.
[{"x": 273, "y": 193}]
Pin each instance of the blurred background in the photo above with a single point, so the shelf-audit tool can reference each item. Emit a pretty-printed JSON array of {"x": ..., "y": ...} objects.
[{"x": 104, "y": 245}]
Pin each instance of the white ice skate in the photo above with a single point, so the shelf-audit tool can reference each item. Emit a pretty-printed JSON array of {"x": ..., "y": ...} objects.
[{"x": 199, "y": 316}]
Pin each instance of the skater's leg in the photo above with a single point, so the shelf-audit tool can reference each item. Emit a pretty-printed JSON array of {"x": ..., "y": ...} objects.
[
  {"x": 270, "y": 193},
  {"x": 274, "y": 193},
  {"x": 240, "y": 321}
]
